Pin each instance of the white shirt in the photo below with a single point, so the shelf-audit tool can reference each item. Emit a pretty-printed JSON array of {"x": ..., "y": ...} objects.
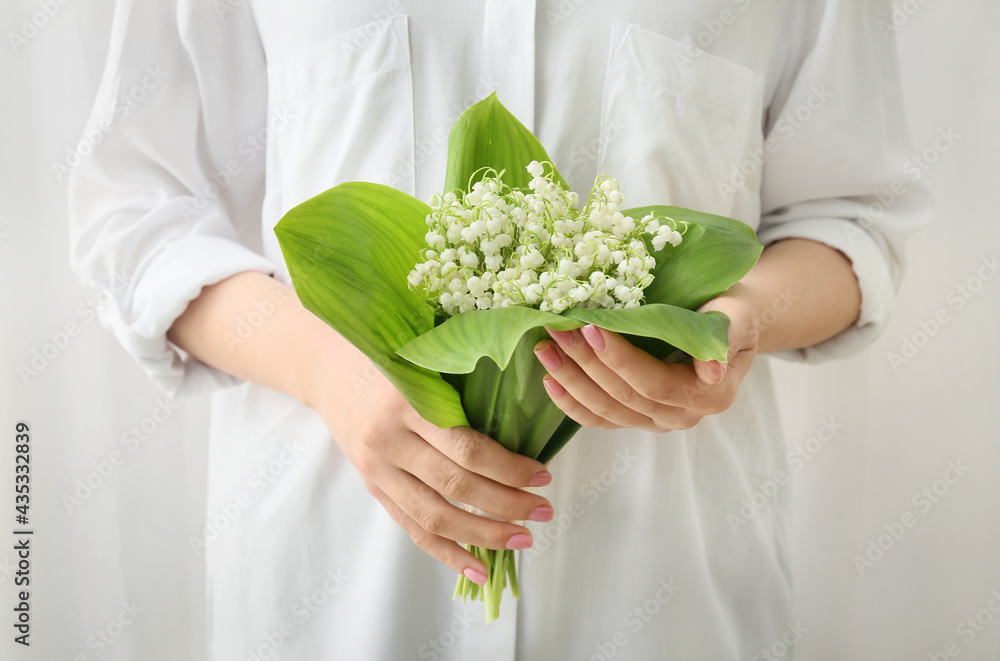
[{"x": 786, "y": 115}]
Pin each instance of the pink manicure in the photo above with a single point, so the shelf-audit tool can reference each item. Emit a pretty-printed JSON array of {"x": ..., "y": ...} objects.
[
  {"x": 474, "y": 575},
  {"x": 594, "y": 338},
  {"x": 554, "y": 387},
  {"x": 549, "y": 357},
  {"x": 519, "y": 542},
  {"x": 540, "y": 479},
  {"x": 564, "y": 338},
  {"x": 541, "y": 513}
]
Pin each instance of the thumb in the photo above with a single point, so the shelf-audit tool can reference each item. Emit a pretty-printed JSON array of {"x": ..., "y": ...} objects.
[{"x": 741, "y": 336}]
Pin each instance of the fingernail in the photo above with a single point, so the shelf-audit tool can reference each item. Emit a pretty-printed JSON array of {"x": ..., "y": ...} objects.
[
  {"x": 564, "y": 338},
  {"x": 554, "y": 387},
  {"x": 594, "y": 337},
  {"x": 474, "y": 575},
  {"x": 549, "y": 357},
  {"x": 541, "y": 513},
  {"x": 519, "y": 542},
  {"x": 540, "y": 479}
]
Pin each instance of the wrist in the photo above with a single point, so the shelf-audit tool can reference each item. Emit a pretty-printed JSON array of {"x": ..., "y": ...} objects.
[{"x": 327, "y": 367}]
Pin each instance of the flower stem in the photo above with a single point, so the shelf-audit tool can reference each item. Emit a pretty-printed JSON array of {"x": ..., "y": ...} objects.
[{"x": 501, "y": 568}]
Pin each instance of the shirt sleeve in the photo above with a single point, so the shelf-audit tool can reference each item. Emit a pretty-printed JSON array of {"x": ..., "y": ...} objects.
[
  {"x": 165, "y": 196},
  {"x": 837, "y": 169}
]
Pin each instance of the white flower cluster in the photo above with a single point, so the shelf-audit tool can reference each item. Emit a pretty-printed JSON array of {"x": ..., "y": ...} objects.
[{"x": 496, "y": 247}]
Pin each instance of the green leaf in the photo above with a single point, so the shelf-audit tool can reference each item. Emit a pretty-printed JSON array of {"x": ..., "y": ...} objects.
[
  {"x": 349, "y": 251},
  {"x": 560, "y": 437},
  {"x": 715, "y": 254},
  {"x": 702, "y": 335},
  {"x": 511, "y": 405},
  {"x": 456, "y": 346},
  {"x": 488, "y": 135}
]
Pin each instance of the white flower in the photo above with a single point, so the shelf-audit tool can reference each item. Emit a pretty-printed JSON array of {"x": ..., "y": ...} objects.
[
  {"x": 434, "y": 240},
  {"x": 470, "y": 260},
  {"x": 496, "y": 247}
]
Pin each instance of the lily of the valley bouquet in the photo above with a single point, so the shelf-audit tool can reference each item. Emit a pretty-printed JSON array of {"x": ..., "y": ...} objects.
[{"x": 448, "y": 300}]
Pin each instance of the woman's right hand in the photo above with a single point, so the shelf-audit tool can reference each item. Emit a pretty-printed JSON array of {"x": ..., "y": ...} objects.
[
  {"x": 414, "y": 468},
  {"x": 411, "y": 466}
]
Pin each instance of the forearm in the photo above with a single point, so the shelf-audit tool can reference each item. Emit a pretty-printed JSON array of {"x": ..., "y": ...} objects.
[
  {"x": 253, "y": 327},
  {"x": 803, "y": 292}
]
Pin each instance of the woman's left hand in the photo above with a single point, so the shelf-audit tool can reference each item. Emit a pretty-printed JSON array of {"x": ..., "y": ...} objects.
[{"x": 599, "y": 379}]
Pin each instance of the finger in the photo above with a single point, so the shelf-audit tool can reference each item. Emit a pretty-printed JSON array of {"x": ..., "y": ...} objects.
[
  {"x": 445, "y": 551},
  {"x": 482, "y": 455},
  {"x": 459, "y": 484},
  {"x": 577, "y": 346},
  {"x": 742, "y": 337},
  {"x": 673, "y": 384},
  {"x": 586, "y": 391},
  {"x": 574, "y": 409},
  {"x": 437, "y": 516},
  {"x": 574, "y": 345},
  {"x": 711, "y": 372}
]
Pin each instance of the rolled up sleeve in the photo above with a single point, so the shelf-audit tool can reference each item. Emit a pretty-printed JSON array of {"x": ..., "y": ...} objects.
[
  {"x": 838, "y": 167},
  {"x": 164, "y": 203}
]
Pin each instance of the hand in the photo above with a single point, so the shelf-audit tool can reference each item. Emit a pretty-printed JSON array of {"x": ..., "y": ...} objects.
[
  {"x": 412, "y": 466},
  {"x": 599, "y": 379}
]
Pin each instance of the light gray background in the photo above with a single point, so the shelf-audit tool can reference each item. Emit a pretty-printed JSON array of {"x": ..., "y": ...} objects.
[{"x": 127, "y": 542}]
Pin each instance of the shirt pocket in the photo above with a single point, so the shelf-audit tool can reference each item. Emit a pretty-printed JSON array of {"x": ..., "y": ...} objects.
[
  {"x": 678, "y": 123},
  {"x": 347, "y": 104}
]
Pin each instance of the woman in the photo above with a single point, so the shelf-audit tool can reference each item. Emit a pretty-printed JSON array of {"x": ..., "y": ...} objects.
[{"x": 663, "y": 531}]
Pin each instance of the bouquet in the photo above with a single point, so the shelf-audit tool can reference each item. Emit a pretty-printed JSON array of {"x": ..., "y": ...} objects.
[{"x": 449, "y": 299}]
